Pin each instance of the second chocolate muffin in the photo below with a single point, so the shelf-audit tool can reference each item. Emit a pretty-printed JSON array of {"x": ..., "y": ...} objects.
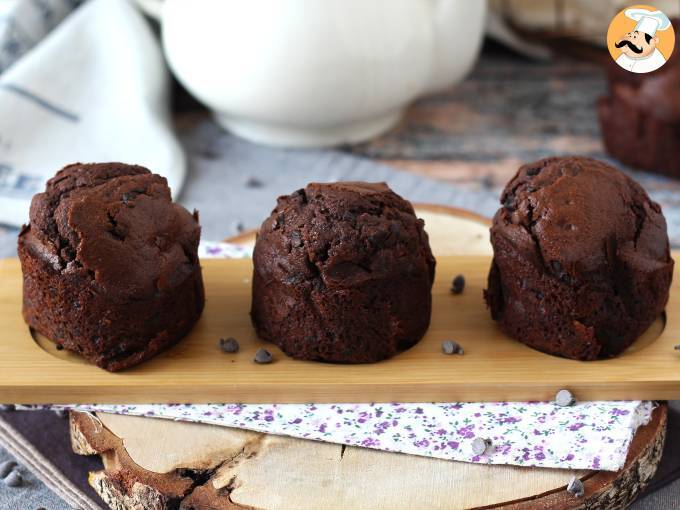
[
  {"x": 581, "y": 264},
  {"x": 343, "y": 273}
]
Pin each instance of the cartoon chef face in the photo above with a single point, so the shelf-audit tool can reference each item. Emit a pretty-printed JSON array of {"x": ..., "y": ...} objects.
[{"x": 637, "y": 44}]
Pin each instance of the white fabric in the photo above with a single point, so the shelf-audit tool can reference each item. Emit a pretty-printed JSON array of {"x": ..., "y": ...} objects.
[
  {"x": 94, "y": 89},
  {"x": 642, "y": 65}
]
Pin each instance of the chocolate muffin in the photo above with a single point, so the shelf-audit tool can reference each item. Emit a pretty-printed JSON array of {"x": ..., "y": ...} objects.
[
  {"x": 343, "y": 273},
  {"x": 110, "y": 264},
  {"x": 581, "y": 263},
  {"x": 640, "y": 116}
]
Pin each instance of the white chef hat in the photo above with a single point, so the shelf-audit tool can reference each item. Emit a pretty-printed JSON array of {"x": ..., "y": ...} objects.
[{"x": 648, "y": 22}]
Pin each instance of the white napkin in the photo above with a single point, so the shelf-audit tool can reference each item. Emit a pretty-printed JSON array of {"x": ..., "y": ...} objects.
[{"x": 94, "y": 89}]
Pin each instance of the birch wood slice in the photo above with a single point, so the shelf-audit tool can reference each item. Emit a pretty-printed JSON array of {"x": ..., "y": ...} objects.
[{"x": 159, "y": 464}]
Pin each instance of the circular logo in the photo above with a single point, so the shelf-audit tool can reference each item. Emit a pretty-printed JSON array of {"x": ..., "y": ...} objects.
[{"x": 640, "y": 39}]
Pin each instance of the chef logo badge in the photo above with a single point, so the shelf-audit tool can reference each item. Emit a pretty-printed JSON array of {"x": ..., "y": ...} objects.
[{"x": 640, "y": 39}]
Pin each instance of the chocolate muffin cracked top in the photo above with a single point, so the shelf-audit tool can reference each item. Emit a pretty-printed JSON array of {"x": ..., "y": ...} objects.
[
  {"x": 343, "y": 273},
  {"x": 581, "y": 264},
  {"x": 110, "y": 264}
]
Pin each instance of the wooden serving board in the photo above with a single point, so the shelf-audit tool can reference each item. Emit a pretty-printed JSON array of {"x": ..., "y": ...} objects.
[{"x": 494, "y": 367}]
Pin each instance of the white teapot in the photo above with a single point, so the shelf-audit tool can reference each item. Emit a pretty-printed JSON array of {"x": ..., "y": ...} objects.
[{"x": 303, "y": 73}]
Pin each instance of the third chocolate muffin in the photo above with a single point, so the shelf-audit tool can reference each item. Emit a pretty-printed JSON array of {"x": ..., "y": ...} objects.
[
  {"x": 343, "y": 273},
  {"x": 581, "y": 264}
]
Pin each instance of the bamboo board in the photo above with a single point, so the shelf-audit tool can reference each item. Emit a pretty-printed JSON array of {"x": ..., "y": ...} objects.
[{"x": 494, "y": 367}]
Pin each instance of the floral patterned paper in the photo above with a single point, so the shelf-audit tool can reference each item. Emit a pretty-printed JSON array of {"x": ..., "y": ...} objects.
[{"x": 589, "y": 435}]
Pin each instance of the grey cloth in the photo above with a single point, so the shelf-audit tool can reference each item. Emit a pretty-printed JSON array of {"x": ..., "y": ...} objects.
[{"x": 32, "y": 494}]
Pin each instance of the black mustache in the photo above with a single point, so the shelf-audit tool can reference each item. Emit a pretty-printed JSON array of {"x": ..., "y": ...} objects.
[{"x": 632, "y": 47}]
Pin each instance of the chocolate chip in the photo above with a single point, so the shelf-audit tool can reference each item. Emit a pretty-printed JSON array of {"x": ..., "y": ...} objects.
[
  {"x": 510, "y": 204},
  {"x": 533, "y": 171},
  {"x": 481, "y": 445},
  {"x": 254, "y": 182},
  {"x": 238, "y": 226},
  {"x": 229, "y": 345},
  {"x": 7, "y": 467},
  {"x": 60, "y": 347},
  {"x": 280, "y": 220},
  {"x": 677, "y": 347},
  {"x": 7, "y": 407},
  {"x": 263, "y": 356},
  {"x": 295, "y": 239},
  {"x": 451, "y": 347},
  {"x": 575, "y": 487},
  {"x": 458, "y": 284},
  {"x": 564, "y": 398},
  {"x": 14, "y": 479},
  {"x": 62, "y": 413}
]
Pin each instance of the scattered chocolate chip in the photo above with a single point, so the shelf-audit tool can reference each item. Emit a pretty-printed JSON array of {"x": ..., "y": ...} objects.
[
  {"x": 263, "y": 356},
  {"x": 533, "y": 171},
  {"x": 677, "y": 347},
  {"x": 564, "y": 398},
  {"x": 229, "y": 345},
  {"x": 451, "y": 347},
  {"x": 458, "y": 284},
  {"x": 576, "y": 487},
  {"x": 14, "y": 479},
  {"x": 7, "y": 467},
  {"x": 62, "y": 413},
  {"x": 7, "y": 407},
  {"x": 481, "y": 445},
  {"x": 60, "y": 347},
  {"x": 254, "y": 182}
]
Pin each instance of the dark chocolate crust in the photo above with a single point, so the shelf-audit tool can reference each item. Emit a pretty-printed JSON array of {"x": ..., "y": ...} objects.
[
  {"x": 640, "y": 115},
  {"x": 343, "y": 273},
  {"x": 110, "y": 264},
  {"x": 581, "y": 263}
]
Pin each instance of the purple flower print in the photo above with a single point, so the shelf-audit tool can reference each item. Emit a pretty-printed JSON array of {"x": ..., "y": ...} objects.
[{"x": 466, "y": 431}]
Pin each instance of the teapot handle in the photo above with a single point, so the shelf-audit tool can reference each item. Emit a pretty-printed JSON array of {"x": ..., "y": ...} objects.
[{"x": 153, "y": 8}]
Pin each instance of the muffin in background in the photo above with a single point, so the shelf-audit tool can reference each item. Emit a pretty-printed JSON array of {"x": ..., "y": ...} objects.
[
  {"x": 582, "y": 264},
  {"x": 110, "y": 264},
  {"x": 640, "y": 116},
  {"x": 342, "y": 273}
]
